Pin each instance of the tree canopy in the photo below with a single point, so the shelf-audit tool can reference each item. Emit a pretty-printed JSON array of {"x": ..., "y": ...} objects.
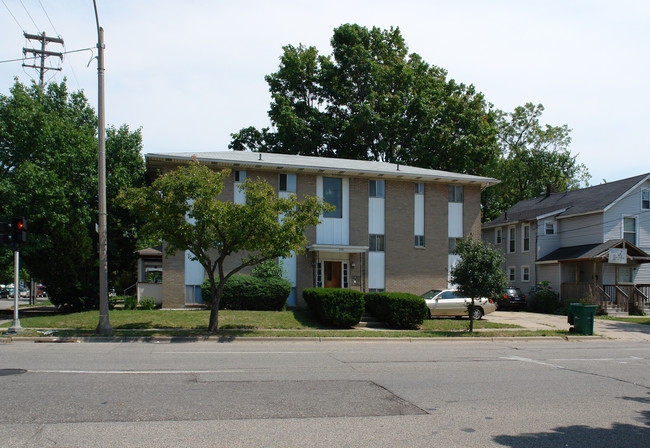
[
  {"x": 48, "y": 161},
  {"x": 479, "y": 273},
  {"x": 372, "y": 100},
  {"x": 180, "y": 208}
]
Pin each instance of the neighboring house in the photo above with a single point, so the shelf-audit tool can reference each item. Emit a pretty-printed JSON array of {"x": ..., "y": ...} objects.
[
  {"x": 565, "y": 239},
  {"x": 150, "y": 261},
  {"x": 392, "y": 230}
]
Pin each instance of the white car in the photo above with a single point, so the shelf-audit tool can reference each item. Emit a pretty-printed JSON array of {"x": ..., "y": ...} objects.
[{"x": 449, "y": 302}]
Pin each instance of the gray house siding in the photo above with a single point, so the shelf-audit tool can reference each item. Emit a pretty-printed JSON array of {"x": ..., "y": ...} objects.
[{"x": 579, "y": 230}]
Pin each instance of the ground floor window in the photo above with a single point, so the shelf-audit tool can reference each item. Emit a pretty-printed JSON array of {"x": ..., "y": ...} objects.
[
  {"x": 525, "y": 273},
  {"x": 512, "y": 274},
  {"x": 193, "y": 294}
]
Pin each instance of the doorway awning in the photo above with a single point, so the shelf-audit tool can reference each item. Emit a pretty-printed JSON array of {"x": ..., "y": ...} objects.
[
  {"x": 595, "y": 252},
  {"x": 338, "y": 248}
]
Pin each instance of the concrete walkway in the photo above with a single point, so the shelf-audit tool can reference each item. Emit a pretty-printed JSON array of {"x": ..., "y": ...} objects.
[{"x": 607, "y": 328}]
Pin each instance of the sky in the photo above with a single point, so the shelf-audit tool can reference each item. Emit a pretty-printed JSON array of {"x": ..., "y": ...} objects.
[{"x": 189, "y": 73}]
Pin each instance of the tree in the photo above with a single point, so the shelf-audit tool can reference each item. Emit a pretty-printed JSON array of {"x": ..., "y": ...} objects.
[
  {"x": 479, "y": 272},
  {"x": 181, "y": 209},
  {"x": 534, "y": 157},
  {"x": 372, "y": 100},
  {"x": 48, "y": 161}
]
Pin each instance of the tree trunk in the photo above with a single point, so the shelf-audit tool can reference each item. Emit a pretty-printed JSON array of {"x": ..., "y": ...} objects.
[
  {"x": 471, "y": 317},
  {"x": 216, "y": 291}
]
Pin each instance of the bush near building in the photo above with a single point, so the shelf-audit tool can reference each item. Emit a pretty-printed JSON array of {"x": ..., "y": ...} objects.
[
  {"x": 398, "y": 310},
  {"x": 335, "y": 307},
  {"x": 246, "y": 292}
]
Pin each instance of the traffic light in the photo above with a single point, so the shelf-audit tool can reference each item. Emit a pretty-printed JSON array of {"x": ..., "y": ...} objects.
[
  {"x": 19, "y": 230},
  {"x": 14, "y": 232}
]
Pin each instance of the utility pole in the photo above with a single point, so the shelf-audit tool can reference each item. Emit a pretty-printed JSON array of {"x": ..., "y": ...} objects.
[
  {"x": 104, "y": 326},
  {"x": 44, "y": 40}
]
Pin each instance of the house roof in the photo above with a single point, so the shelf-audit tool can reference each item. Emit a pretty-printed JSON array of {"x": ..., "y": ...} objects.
[
  {"x": 569, "y": 203},
  {"x": 595, "y": 251},
  {"x": 315, "y": 165},
  {"x": 150, "y": 252}
]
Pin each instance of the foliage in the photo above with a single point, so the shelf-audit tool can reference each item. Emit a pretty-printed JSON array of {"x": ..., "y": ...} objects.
[
  {"x": 372, "y": 100},
  {"x": 130, "y": 303},
  {"x": 180, "y": 208},
  {"x": 336, "y": 307},
  {"x": 398, "y": 310},
  {"x": 247, "y": 292},
  {"x": 269, "y": 269},
  {"x": 533, "y": 157},
  {"x": 545, "y": 300},
  {"x": 147, "y": 303},
  {"x": 48, "y": 161},
  {"x": 479, "y": 272}
]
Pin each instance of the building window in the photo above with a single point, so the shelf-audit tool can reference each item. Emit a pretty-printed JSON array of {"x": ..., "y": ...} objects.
[
  {"x": 333, "y": 195},
  {"x": 376, "y": 243},
  {"x": 419, "y": 188},
  {"x": 419, "y": 240},
  {"x": 526, "y": 237},
  {"x": 645, "y": 199},
  {"x": 498, "y": 235},
  {"x": 549, "y": 228},
  {"x": 346, "y": 283},
  {"x": 319, "y": 275},
  {"x": 512, "y": 274},
  {"x": 629, "y": 229},
  {"x": 287, "y": 182},
  {"x": 376, "y": 189},
  {"x": 455, "y": 193},
  {"x": 240, "y": 176},
  {"x": 375, "y": 289},
  {"x": 525, "y": 273},
  {"x": 452, "y": 244},
  {"x": 512, "y": 239}
]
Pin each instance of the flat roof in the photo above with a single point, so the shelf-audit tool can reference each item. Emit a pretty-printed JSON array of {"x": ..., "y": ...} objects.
[{"x": 314, "y": 165}]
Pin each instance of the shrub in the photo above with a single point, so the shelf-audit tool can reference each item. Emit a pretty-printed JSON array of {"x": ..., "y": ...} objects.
[
  {"x": 335, "y": 307},
  {"x": 545, "y": 300},
  {"x": 269, "y": 269},
  {"x": 398, "y": 310},
  {"x": 130, "y": 302},
  {"x": 245, "y": 292},
  {"x": 147, "y": 303}
]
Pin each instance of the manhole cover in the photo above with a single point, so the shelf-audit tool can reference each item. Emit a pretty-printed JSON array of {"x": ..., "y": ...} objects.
[{"x": 7, "y": 372}]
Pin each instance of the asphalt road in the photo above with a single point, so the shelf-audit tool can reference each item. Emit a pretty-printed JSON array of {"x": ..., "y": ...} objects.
[{"x": 325, "y": 394}]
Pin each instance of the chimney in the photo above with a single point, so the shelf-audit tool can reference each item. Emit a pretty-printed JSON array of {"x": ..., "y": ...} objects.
[{"x": 550, "y": 189}]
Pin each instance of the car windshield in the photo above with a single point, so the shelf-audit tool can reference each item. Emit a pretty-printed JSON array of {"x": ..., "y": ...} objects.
[{"x": 431, "y": 294}]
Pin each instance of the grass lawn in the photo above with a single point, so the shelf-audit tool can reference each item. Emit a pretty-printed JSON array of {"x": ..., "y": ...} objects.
[
  {"x": 232, "y": 324},
  {"x": 633, "y": 319}
]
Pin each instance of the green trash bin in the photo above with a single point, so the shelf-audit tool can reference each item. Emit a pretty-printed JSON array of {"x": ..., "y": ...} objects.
[{"x": 582, "y": 318}]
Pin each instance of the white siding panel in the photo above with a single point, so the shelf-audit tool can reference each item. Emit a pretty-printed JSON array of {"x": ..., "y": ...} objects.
[
  {"x": 240, "y": 196},
  {"x": 376, "y": 216},
  {"x": 418, "y": 217},
  {"x": 455, "y": 220},
  {"x": 335, "y": 230},
  {"x": 451, "y": 261},
  {"x": 290, "y": 267},
  {"x": 630, "y": 205},
  {"x": 194, "y": 273},
  {"x": 376, "y": 269},
  {"x": 581, "y": 230}
]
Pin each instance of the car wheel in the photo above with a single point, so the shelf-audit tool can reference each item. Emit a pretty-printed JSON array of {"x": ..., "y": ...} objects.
[
  {"x": 477, "y": 314},
  {"x": 428, "y": 313}
]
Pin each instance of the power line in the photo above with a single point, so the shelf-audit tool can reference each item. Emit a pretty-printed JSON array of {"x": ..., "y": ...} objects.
[
  {"x": 12, "y": 15},
  {"x": 48, "y": 18},
  {"x": 34, "y": 57},
  {"x": 28, "y": 14}
]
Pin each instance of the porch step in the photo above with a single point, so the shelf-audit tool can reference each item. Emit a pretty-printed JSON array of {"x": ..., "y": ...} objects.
[{"x": 370, "y": 321}]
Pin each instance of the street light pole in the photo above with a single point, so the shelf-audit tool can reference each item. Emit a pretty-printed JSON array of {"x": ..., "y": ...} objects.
[{"x": 104, "y": 326}]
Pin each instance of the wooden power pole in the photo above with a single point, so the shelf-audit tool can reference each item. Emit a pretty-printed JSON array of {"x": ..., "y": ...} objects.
[{"x": 42, "y": 53}]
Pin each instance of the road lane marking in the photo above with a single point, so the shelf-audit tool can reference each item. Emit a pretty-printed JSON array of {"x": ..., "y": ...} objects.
[
  {"x": 532, "y": 361},
  {"x": 135, "y": 372}
]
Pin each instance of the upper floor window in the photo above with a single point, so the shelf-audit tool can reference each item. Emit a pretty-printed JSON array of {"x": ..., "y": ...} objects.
[
  {"x": 419, "y": 188},
  {"x": 287, "y": 182},
  {"x": 376, "y": 189},
  {"x": 526, "y": 237},
  {"x": 419, "y": 241},
  {"x": 333, "y": 195},
  {"x": 498, "y": 235},
  {"x": 376, "y": 243},
  {"x": 455, "y": 193},
  {"x": 629, "y": 229},
  {"x": 452, "y": 244},
  {"x": 512, "y": 239},
  {"x": 645, "y": 199},
  {"x": 549, "y": 228}
]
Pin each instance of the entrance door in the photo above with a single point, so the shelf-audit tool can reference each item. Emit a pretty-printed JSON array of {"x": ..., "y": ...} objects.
[{"x": 332, "y": 274}]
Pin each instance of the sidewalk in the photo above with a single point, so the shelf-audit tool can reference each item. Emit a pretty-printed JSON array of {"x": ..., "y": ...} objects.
[{"x": 610, "y": 329}]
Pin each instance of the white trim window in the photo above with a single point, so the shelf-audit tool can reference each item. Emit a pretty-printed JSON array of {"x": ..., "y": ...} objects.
[
  {"x": 498, "y": 235},
  {"x": 456, "y": 193},
  {"x": 333, "y": 195},
  {"x": 525, "y": 237},
  {"x": 376, "y": 243},
  {"x": 512, "y": 274},
  {"x": 628, "y": 229},
  {"x": 418, "y": 215},
  {"x": 287, "y": 183},
  {"x": 549, "y": 228},
  {"x": 525, "y": 273},
  {"x": 645, "y": 199},
  {"x": 512, "y": 239},
  {"x": 376, "y": 189}
]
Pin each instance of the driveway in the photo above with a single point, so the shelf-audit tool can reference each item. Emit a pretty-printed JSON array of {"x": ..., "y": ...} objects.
[{"x": 608, "y": 328}]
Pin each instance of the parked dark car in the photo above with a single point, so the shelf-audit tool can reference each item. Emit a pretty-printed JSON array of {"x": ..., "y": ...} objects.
[{"x": 512, "y": 297}]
